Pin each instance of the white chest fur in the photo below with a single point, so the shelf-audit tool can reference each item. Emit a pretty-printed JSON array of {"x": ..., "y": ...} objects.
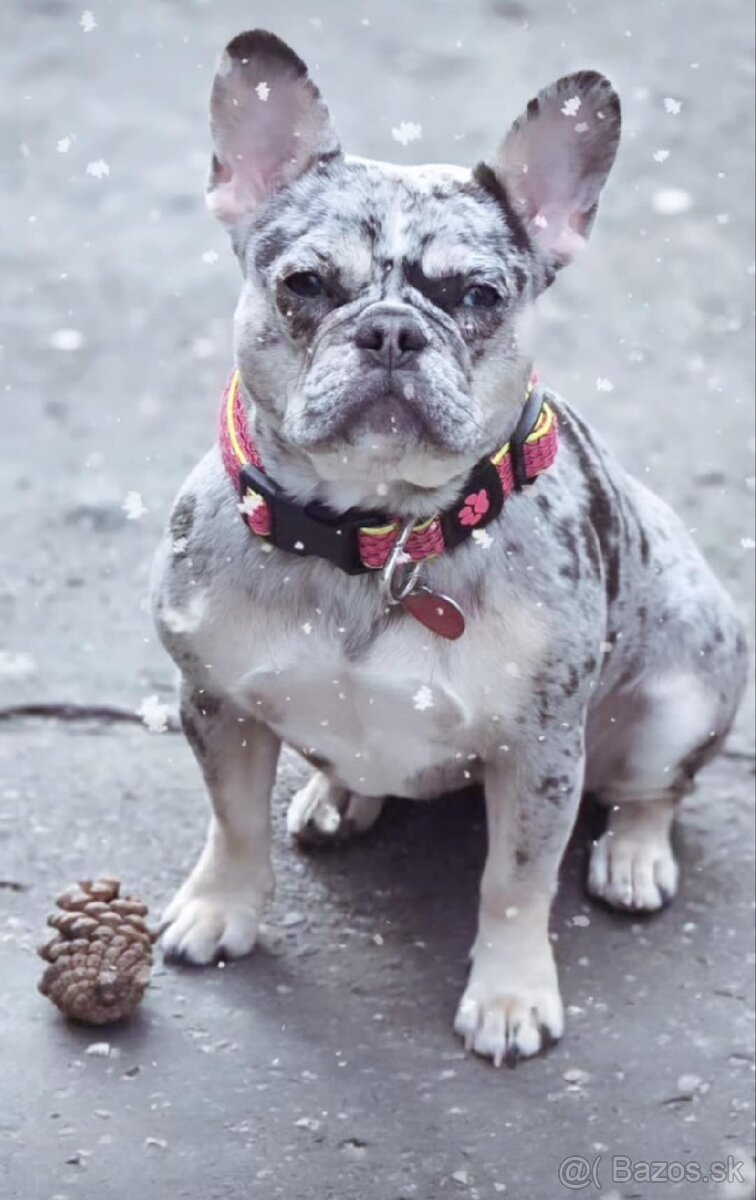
[{"x": 407, "y": 713}]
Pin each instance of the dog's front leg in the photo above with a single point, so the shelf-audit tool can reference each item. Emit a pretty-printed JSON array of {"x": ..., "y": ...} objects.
[
  {"x": 511, "y": 1007},
  {"x": 216, "y": 912}
]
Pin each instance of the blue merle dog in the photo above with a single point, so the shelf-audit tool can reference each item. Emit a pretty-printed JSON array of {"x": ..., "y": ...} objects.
[{"x": 383, "y": 353}]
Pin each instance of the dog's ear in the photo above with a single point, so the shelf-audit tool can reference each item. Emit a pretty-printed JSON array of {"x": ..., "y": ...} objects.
[
  {"x": 268, "y": 123},
  {"x": 555, "y": 159}
]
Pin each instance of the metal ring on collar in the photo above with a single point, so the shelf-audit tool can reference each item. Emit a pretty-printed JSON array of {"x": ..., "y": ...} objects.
[{"x": 398, "y": 577}]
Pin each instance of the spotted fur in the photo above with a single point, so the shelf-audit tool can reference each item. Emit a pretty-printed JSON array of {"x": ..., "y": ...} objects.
[{"x": 599, "y": 652}]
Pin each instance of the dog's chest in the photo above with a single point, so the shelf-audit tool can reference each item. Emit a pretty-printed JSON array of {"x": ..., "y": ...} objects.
[
  {"x": 408, "y": 713},
  {"x": 374, "y": 728}
]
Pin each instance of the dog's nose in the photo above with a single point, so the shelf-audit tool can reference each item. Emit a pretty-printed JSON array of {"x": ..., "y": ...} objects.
[{"x": 391, "y": 339}]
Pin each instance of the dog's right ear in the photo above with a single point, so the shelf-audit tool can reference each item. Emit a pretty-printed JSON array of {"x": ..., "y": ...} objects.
[{"x": 268, "y": 123}]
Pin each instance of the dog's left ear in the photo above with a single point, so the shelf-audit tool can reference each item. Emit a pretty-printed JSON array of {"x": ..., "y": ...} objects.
[
  {"x": 554, "y": 161},
  {"x": 268, "y": 123}
]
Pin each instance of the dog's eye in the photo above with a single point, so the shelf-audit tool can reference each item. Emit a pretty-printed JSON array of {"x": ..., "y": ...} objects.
[
  {"x": 481, "y": 295},
  {"x": 306, "y": 284}
]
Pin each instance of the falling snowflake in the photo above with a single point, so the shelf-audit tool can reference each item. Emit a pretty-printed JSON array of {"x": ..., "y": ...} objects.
[
  {"x": 604, "y": 385},
  {"x": 540, "y": 221},
  {"x": 210, "y": 256},
  {"x": 482, "y": 538},
  {"x": 307, "y": 627},
  {"x": 513, "y": 670},
  {"x": 581, "y": 922},
  {"x": 87, "y": 21},
  {"x": 672, "y": 106},
  {"x": 179, "y": 545},
  {"x": 250, "y": 503},
  {"x": 748, "y": 543},
  {"x": 661, "y": 155},
  {"x": 187, "y": 619},
  {"x": 133, "y": 506},
  {"x": 154, "y": 713},
  {"x": 406, "y": 132},
  {"x": 671, "y": 202},
  {"x": 16, "y": 664},
  {"x": 571, "y": 106},
  {"x": 98, "y": 169},
  {"x": 63, "y": 145},
  {"x": 67, "y": 339},
  {"x": 582, "y": 127},
  {"x": 263, "y": 90},
  {"x": 423, "y": 698}
]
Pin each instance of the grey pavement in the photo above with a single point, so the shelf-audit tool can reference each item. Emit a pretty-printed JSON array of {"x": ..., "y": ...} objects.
[{"x": 324, "y": 1066}]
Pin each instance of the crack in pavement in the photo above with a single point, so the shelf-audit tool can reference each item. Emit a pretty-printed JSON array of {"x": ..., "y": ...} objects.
[{"x": 105, "y": 714}]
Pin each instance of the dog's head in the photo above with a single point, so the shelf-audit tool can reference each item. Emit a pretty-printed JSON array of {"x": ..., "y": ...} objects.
[{"x": 381, "y": 323}]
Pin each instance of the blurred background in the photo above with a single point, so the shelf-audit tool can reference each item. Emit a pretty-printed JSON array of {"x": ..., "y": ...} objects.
[{"x": 117, "y": 293}]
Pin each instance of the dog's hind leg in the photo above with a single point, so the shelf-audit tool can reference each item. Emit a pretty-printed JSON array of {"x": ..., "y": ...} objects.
[
  {"x": 632, "y": 865},
  {"x": 322, "y": 812},
  {"x": 664, "y": 730}
]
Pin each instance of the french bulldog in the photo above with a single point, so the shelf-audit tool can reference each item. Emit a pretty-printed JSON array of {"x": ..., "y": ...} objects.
[{"x": 560, "y": 635}]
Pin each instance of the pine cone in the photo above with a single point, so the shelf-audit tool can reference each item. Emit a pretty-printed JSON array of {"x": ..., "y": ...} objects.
[{"x": 101, "y": 956}]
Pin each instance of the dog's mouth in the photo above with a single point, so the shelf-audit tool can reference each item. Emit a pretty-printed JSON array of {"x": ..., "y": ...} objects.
[
  {"x": 387, "y": 442},
  {"x": 389, "y": 418},
  {"x": 383, "y": 416},
  {"x": 400, "y": 480}
]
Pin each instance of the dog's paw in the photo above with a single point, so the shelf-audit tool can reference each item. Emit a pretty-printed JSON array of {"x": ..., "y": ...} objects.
[
  {"x": 200, "y": 927},
  {"x": 509, "y": 1022},
  {"x": 322, "y": 812},
  {"x": 634, "y": 873}
]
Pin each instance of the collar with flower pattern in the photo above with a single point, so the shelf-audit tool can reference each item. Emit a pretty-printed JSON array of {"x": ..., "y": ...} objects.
[{"x": 358, "y": 540}]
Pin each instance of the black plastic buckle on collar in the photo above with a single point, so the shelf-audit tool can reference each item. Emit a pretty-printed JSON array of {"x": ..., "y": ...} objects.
[
  {"x": 312, "y": 528},
  {"x": 523, "y": 429}
]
